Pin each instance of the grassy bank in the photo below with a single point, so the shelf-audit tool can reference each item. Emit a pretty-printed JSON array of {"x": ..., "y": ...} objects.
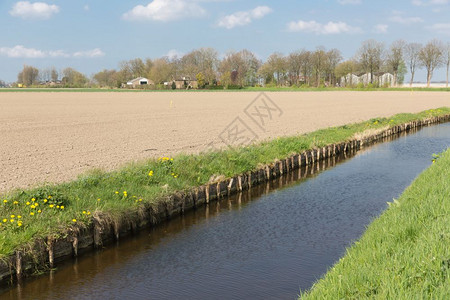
[
  {"x": 245, "y": 89},
  {"x": 405, "y": 253},
  {"x": 47, "y": 210}
]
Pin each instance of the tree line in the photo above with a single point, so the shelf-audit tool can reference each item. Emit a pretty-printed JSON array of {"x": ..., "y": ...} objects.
[{"x": 319, "y": 67}]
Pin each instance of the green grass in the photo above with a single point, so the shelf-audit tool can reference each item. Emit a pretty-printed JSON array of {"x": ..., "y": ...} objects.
[
  {"x": 122, "y": 190},
  {"x": 405, "y": 253},
  {"x": 246, "y": 89}
]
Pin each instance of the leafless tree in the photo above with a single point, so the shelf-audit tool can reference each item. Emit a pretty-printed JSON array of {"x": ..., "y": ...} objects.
[
  {"x": 278, "y": 66},
  {"x": 447, "y": 61},
  {"x": 395, "y": 58},
  {"x": 242, "y": 67},
  {"x": 28, "y": 76},
  {"x": 294, "y": 61},
  {"x": 53, "y": 74},
  {"x": 431, "y": 57},
  {"x": 412, "y": 51},
  {"x": 162, "y": 70},
  {"x": 319, "y": 60},
  {"x": 204, "y": 60},
  {"x": 333, "y": 57},
  {"x": 370, "y": 56},
  {"x": 307, "y": 65}
]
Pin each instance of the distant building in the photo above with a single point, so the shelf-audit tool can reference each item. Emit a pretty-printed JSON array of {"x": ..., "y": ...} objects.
[
  {"x": 139, "y": 82},
  {"x": 185, "y": 83},
  {"x": 381, "y": 78}
]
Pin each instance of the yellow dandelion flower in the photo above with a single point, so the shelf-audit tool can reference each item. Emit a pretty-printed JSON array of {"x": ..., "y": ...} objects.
[
  {"x": 84, "y": 212},
  {"x": 28, "y": 203},
  {"x": 45, "y": 200},
  {"x": 51, "y": 205},
  {"x": 5, "y": 220},
  {"x": 74, "y": 220},
  {"x": 13, "y": 216},
  {"x": 5, "y": 201},
  {"x": 12, "y": 220},
  {"x": 19, "y": 224},
  {"x": 15, "y": 202},
  {"x": 31, "y": 213},
  {"x": 39, "y": 211},
  {"x": 32, "y": 199},
  {"x": 62, "y": 207},
  {"x": 88, "y": 213},
  {"x": 19, "y": 217},
  {"x": 117, "y": 192},
  {"x": 57, "y": 206}
]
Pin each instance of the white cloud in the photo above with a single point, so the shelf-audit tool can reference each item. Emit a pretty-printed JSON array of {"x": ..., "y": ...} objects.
[
  {"x": 58, "y": 53},
  {"x": 318, "y": 28},
  {"x": 441, "y": 28},
  {"x": 405, "y": 20},
  {"x": 400, "y": 18},
  {"x": 430, "y": 2},
  {"x": 20, "y": 51},
  {"x": 380, "y": 28},
  {"x": 97, "y": 52},
  {"x": 174, "y": 54},
  {"x": 165, "y": 10},
  {"x": 345, "y": 2},
  {"x": 36, "y": 10},
  {"x": 242, "y": 18},
  {"x": 86, "y": 7}
]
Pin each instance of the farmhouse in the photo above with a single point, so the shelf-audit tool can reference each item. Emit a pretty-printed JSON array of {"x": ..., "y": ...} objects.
[
  {"x": 139, "y": 82},
  {"x": 185, "y": 83}
]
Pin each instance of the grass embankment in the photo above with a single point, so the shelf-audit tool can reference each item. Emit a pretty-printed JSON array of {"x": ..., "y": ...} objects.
[
  {"x": 405, "y": 253},
  {"x": 48, "y": 210},
  {"x": 244, "y": 89}
]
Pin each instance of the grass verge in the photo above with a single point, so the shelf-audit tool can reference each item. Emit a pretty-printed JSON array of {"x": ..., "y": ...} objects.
[
  {"x": 49, "y": 209},
  {"x": 245, "y": 89},
  {"x": 405, "y": 253}
]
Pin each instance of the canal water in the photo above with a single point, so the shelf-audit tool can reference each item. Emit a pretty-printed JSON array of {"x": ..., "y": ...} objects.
[{"x": 267, "y": 243}]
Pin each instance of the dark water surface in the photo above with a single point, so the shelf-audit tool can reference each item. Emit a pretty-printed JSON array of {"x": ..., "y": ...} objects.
[{"x": 267, "y": 243}]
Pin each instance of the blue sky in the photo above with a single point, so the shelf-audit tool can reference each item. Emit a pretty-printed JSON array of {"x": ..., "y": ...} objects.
[{"x": 94, "y": 35}]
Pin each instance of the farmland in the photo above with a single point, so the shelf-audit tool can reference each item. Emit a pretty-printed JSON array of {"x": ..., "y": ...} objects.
[{"x": 54, "y": 137}]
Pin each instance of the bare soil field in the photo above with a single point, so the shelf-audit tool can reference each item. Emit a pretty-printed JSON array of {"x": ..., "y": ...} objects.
[{"x": 53, "y": 137}]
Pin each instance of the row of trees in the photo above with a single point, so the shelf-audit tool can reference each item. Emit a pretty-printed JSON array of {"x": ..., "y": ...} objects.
[
  {"x": 243, "y": 68},
  {"x": 68, "y": 77}
]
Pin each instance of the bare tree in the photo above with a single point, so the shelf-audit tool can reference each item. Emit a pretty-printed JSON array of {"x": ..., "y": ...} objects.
[
  {"x": 243, "y": 65},
  {"x": 294, "y": 61},
  {"x": 162, "y": 70},
  {"x": 306, "y": 62},
  {"x": 28, "y": 76},
  {"x": 395, "y": 58},
  {"x": 319, "y": 58},
  {"x": 447, "y": 61},
  {"x": 54, "y": 74},
  {"x": 203, "y": 60},
  {"x": 412, "y": 51},
  {"x": 275, "y": 67},
  {"x": 333, "y": 57},
  {"x": 370, "y": 56},
  {"x": 432, "y": 56}
]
